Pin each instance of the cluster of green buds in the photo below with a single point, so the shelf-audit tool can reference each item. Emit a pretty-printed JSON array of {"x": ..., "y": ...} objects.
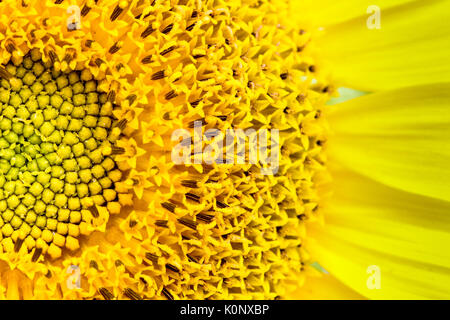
[{"x": 56, "y": 156}]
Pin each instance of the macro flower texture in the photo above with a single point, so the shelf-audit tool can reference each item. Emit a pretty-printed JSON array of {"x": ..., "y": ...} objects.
[{"x": 355, "y": 96}]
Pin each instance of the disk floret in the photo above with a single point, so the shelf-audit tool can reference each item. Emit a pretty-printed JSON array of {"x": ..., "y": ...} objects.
[{"x": 57, "y": 165}]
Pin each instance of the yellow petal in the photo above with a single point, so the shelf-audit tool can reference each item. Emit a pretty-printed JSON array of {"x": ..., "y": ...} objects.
[
  {"x": 400, "y": 138},
  {"x": 327, "y": 12},
  {"x": 369, "y": 225},
  {"x": 325, "y": 287},
  {"x": 410, "y": 48}
]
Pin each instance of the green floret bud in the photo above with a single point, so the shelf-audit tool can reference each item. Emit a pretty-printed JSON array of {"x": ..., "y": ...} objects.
[
  {"x": 42, "y": 163},
  {"x": 78, "y": 112},
  {"x": 85, "y": 134},
  {"x": 70, "y": 138},
  {"x": 43, "y": 101},
  {"x": 4, "y": 95},
  {"x": 46, "y": 77},
  {"x": 73, "y": 77},
  {"x": 47, "y": 196},
  {"x": 62, "y": 82},
  {"x": 50, "y": 114},
  {"x": 5, "y": 124},
  {"x": 75, "y": 125},
  {"x": 15, "y": 100},
  {"x": 55, "y": 137},
  {"x": 66, "y": 108},
  {"x": 13, "y": 173},
  {"x": 47, "y": 129},
  {"x": 77, "y": 88},
  {"x": 36, "y": 189},
  {"x": 50, "y": 88},
  {"x": 56, "y": 184},
  {"x": 27, "y": 63},
  {"x": 79, "y": 99},
  {"x": 18, "y": 160},
  {"x": 34, "y": 139},
  {"x": 69, "y": 189},
  {"x": 40, "y": 206},
  {"x": 9, "y": 112},
  {"x": 37, "y": 87},
  {"x": 32, "y": 166},
  {"x": 78, "y": 149},
  {"x": 22, "y": 113},
  {"x": 38, "y": 119},
  {"x": 62, "y": 122},
  {"x": 28, "y": 199},
  {"x": 67, "y": 92},
  {"x": 43, "y": 178},
  {"x": 70, "y": 165},
  {"x": 32, "y": 105},
  {"x": 20, "y": 72},
  {"x": 56, "y": 100},
  {"x": 16, "y": 84},
  {"x": 29, "y": 78},
  {"x": 11, "y": 69},
  {"x": 11, "y": 137},
  {"x": 17, "y": 127},
  {"x": 25, "y": 94},
  {"x": 38, "y": 69}
]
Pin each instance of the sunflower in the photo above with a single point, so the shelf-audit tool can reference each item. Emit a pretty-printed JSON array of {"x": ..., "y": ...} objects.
[{"x": 93, "y": 205}]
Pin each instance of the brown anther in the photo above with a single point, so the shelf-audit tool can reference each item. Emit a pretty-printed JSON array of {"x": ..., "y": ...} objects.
[
  {"x": 192, "y": 258},
  {"x": 18, "y": 244},
  {"x": 37, "y": 253},
  {"x": 58, "y": 1},
  {"x": 166, "y": 51},
  {"x": 205, "y": 217},
  {"x": 147, "y": 59},
  {"x": 85, "y": 10},
  {"x": 117, "y": 150},
  {"x": 172, "y": 268},
  {"x": 5, "y": 74},
  {"x": 93, "y": 209},
  {"x": 190, "y": 27},
  {"x": 107, "y": 295},
  {"x": 188, "y": 223},
  {"x": 192, "y": 197},
  {"x": 167, "y": 294},
  {"x": 158, "y": 75},
  {"x": 189, "y": 184},
  {"x": 114, "y": 48},
  {"x": 196, "y": 102},
  {"x": 161, "y": 223},
  {"x": 111, "y": 96},
  {"x": 148, "y": 31},
  {"x": 221, "y": 204},
  {"x": 152, "y": 257},
  {"x": 167, "y": 29},
  {"x": 89, "y": 43},
  {"x": 133, "y": 295},
  {"x": 93, "y": 264},
  {"x": 116, "y": 13},
  {"x": 171, "y": 94},
  {"x": 122, "y": 124},
  {"x": 132, "y": 223},
  {"x": 284, "y": 76},
  {"x": 168, "y": 206}
]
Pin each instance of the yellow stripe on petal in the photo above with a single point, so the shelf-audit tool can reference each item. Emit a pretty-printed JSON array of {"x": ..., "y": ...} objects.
[
  {"x": 410, "y": 48},
  {"x": 400, "y": 138},
  {"x": 324, "y": 287},
  {"x": 320, "y": 13},
  {"x": 369, "y": 227}
]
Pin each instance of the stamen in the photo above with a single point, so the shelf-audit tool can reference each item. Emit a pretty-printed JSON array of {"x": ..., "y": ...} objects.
[{"x": 106, "y": 293}]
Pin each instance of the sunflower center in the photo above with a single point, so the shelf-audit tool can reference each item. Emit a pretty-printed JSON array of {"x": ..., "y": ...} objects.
[{"x": 56, "y": 155}]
